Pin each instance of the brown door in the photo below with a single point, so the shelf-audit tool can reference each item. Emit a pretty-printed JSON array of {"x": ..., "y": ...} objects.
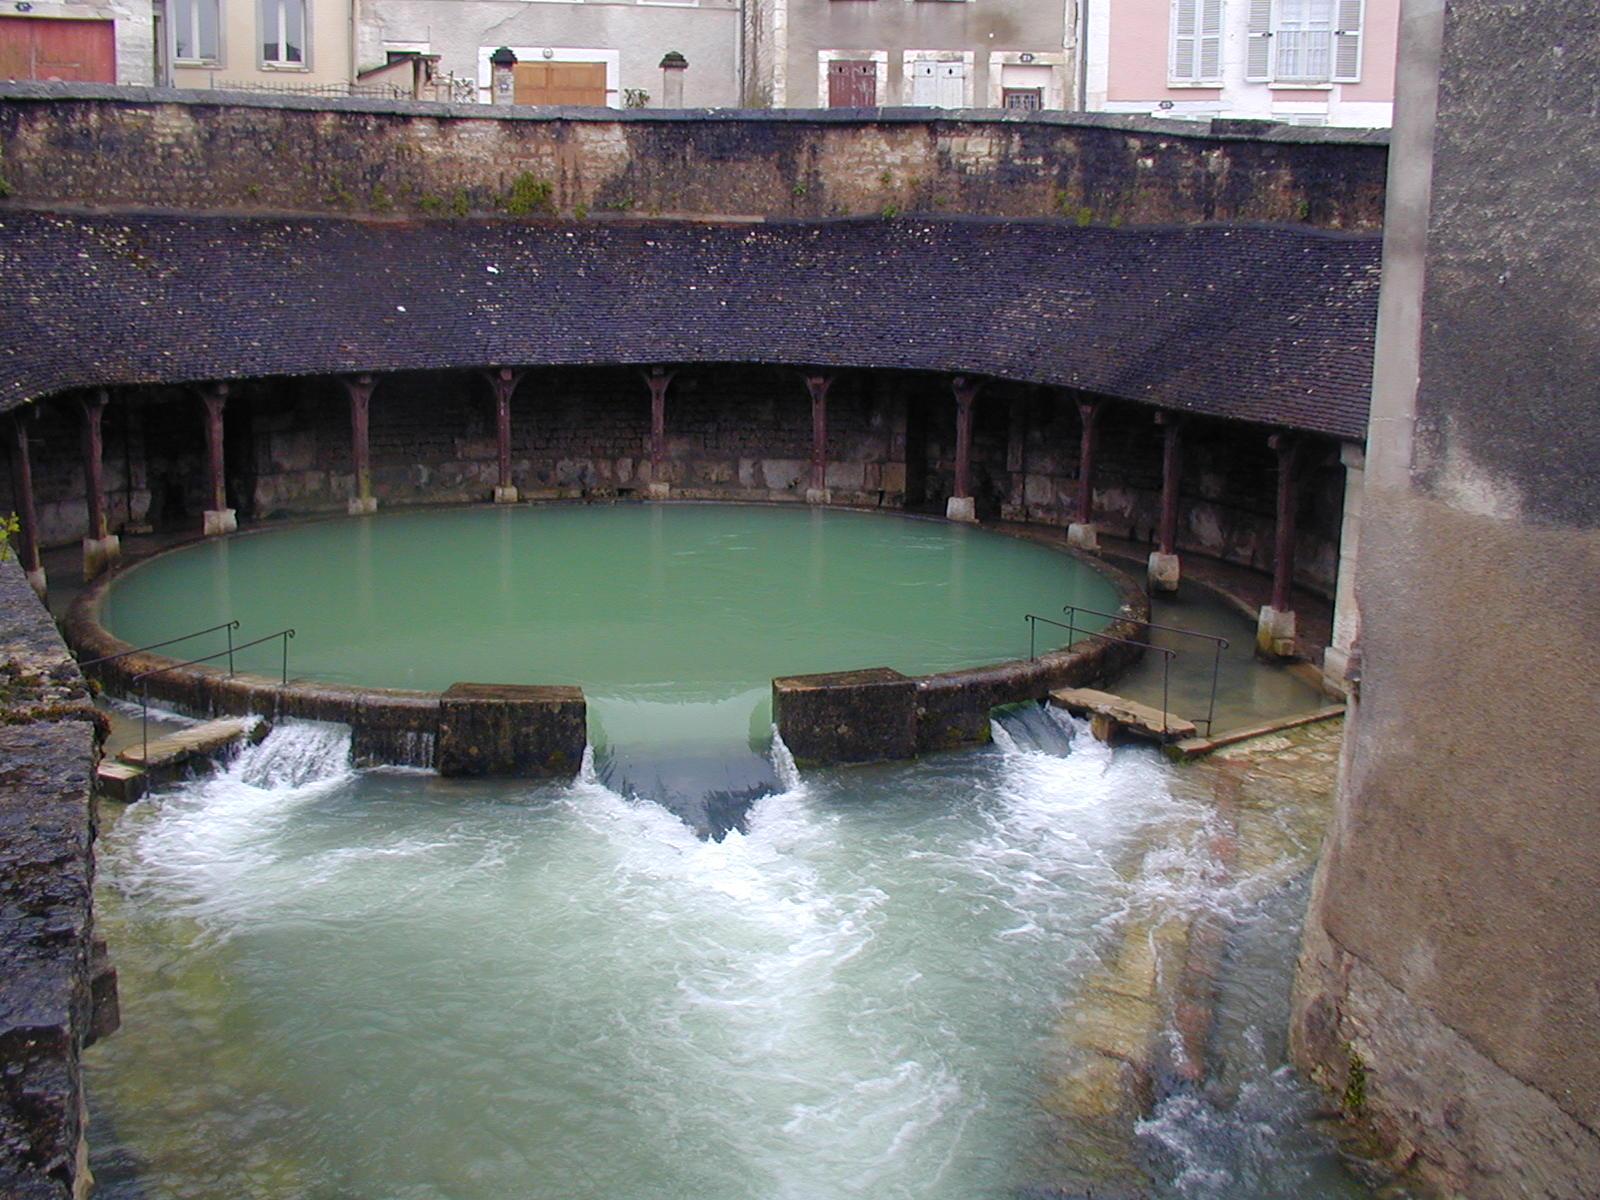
[
  {"x": 559, "y": 83},
  {"x": 45, "y": 48},
  {"x": 852, "y": 85}
]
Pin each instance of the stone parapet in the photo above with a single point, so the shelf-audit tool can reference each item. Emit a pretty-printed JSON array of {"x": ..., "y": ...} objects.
[{"x": 506, "y": 730}]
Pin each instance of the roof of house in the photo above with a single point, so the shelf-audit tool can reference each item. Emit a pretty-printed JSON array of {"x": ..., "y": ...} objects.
[{"x": 1272, "y": 325}]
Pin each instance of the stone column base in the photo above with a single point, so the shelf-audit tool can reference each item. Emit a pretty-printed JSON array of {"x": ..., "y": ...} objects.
[
  {"x": 100, "y": 555},
  {"x": 505, "y": 495},
  {"x": 36, "y": 581},
  {"x": 1165, "y": 571},
  {"x": 961, "y": 508},
  {"x": 657, "y": 489},
  {"x": 819, "y": 496},
  {"x": 1082, "y": 536},
  {"x": 219, "y": 521},
  {"x": 1275, "y": 632},
  {"x": 1336, "y": 671},
  {"x": 361, "y": 506}
]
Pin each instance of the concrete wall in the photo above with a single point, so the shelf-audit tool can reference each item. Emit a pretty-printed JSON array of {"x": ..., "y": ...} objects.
[
  {"x": 629, "y": 37},
  {"x": 805, "y": 34},
  {"x": 185, "y": 150},
  {"x": 1447, "y": 987},
  {"x": 732, "y": 433}
]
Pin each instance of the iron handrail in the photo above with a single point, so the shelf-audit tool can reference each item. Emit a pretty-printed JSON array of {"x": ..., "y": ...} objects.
[
  {"x": 1219, "y": 644},
  {"x": 230, "y": 626},
  {"x": 144, "y": 691},
  {"x": 1167, "y": 655}
]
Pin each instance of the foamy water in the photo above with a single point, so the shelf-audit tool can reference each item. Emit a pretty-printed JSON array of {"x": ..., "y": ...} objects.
[{"x": 383, "y": 984}]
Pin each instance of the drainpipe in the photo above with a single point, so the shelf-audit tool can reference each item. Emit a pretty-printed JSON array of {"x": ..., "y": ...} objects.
[
  {"x": 1081, "y": 100},
  {"x": 743, "y": 100}
]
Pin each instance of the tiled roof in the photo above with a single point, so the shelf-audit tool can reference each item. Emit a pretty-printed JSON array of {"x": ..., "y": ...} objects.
[{"x": 1266, "y": 324}]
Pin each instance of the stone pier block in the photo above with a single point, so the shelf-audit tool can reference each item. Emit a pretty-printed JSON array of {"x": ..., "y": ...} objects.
[
  {"x": 1275, "y": 632},
  {"x": 100, "y": 555},
  {"x": 505, "y": 729},
  {"x": 1082, "y": 536},
  {"x": 848, "y": 716},
  {"x": 219, "y": 522},
  {"x": 505, "y": 495},
  {"x": 1164, "y": 572},
  {"x": 362, "y": 506},
  {"x": 819, "y": 496},
  {"x": 657, "y": 489},
  {"x": 961, "y": 508}
]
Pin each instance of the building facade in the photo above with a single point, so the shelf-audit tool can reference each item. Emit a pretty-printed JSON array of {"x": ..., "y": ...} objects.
[
  {"x": 1302, "y": 62},
  {"x": 80, "y": 41},
  {"x": 293, "y": 46},
  {"x": 934, "y": 53},
  {"x": 568, "y": 51}
]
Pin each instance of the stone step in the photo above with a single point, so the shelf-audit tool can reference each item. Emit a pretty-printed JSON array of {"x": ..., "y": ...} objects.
[
  {"x": 121, "y": 782},
  {"x": 202, "y": 741},
  {"x": 1109, "y": 715}
]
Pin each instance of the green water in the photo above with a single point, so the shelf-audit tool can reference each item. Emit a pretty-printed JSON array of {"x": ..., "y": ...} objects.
[{"x": 673, "y": 619}]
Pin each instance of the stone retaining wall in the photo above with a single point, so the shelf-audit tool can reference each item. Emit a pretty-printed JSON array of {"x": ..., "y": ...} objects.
[
  {"x": 57, "y": 990},
  {"x": 151, "y": 148}
]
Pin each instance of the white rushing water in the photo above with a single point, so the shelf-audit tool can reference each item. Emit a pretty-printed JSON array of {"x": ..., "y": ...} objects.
[{"x": 383, "y": 984}]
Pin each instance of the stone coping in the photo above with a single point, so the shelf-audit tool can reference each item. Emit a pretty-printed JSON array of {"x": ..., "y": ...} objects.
[
  {"x": 1220, "y": 129},
  {"x": 400, "y": 727}
]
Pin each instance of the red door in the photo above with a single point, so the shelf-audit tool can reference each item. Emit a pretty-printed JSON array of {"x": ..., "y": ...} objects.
[
  {"x": 852, "y": 85},
  {"x": 46, "y": 48}
]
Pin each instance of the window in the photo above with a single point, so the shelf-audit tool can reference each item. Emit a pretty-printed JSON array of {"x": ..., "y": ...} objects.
[
  {"x": 1196, "y": 51},
  {"x": 194, "y": 31},
  {"x": 939, "y": 84},
  {"x": 283, "y": 33},
  {"x": 1031, "y": 99},
  {"x": 1305, "y": 41}
]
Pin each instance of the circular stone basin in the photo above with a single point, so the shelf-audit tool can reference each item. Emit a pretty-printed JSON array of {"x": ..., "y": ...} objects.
[{"x": 672, "y": 618}]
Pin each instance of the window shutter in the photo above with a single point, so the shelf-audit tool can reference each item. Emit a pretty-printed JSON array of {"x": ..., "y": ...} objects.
[
  {"x": 924, "y": 86},
  {"x": 952, "y": 85},
  {"x": 1181, "y": 56},
  {"x": 1258, "y": 52},
  {"x": 1210, "y": 50},
  {"x": 1347, "y": 42}
]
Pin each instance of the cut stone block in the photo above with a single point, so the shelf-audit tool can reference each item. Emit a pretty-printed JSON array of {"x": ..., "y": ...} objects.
[
  {"x": 847, "y": 716},
  {"x": 510, "y": 730}
]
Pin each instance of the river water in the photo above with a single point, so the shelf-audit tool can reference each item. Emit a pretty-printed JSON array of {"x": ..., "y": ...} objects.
[{"x": 382, "y": 984}]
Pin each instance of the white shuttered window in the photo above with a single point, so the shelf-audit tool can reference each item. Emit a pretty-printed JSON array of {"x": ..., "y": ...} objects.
[
  {"x": 939, "y": 84},
  {"x": 1196, "y": 50},
  {"x": 1304, "y": 41}
]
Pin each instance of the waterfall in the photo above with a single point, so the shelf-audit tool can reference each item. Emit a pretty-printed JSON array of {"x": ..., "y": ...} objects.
[{"x": 296, "y": 754}]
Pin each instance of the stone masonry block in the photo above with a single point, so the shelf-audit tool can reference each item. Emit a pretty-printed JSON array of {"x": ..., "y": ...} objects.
[
  {"x": 505, "y": 729},
  {"x": 848, "y": 716}
]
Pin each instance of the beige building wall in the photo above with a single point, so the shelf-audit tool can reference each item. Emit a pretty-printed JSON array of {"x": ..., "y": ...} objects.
[{"x": 239, "y": 58}]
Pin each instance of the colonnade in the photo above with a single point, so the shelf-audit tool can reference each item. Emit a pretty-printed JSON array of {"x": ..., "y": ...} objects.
[{"x": 1277, "y": 624}]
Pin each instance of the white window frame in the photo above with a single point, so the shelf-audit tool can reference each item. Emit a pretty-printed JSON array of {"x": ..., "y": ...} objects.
[
  {"x": 283, "y": 64},
  {"x": 1205, "y": 20},
  {"x": 201, "y": 60},
  {"x": 1056, "y": 95},
  {"x": 909, "y": 59},
  {"x": 1279, "y": 28}
]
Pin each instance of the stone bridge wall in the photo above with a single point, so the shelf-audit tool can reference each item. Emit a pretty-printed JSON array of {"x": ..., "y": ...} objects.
[{"x": 144, "y": 148}]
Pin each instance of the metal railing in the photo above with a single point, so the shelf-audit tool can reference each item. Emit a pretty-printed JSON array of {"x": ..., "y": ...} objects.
[
  {"x": 1219, "y": 644},
  {"x": 230, "y": 626},
  {"x": 1167, "y": 655},
  {"x": 144, "y": 690}
]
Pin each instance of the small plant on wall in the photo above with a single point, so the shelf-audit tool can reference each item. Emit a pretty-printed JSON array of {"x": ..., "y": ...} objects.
[
  {"x": 9, "y": 528},
  {"x": 635, "y": 98}
]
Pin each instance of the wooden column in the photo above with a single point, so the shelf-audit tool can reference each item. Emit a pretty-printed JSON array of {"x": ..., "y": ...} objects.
[
  {"x": 504, "y": 382},
  {"x": 657, "y": 379},
  {"x": 1275, "y": 631},
  {"x": 360, "y": 389},
  {"x": 1081, "y": 532},
  {"x": 22, "y": 497},
  {"x": 961, "y": 506},
  {"x": 1015, "y": 507},
  {"x": 818, "y": 386},
  {"x": 100, "y": 548},
  {"x": 219, "y": 518},
  {"x": 1165, "y": 569}
]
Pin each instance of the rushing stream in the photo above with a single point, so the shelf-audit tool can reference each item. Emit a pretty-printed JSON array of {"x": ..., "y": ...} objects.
[{"x": 382, "y": 984}]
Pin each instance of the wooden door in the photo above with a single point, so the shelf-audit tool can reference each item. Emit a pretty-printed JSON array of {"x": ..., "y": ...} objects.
[
  {"x": 47, "y": 48},
  {"x": 559, "y": 83},
  {"x": 852, "y": 84}
]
